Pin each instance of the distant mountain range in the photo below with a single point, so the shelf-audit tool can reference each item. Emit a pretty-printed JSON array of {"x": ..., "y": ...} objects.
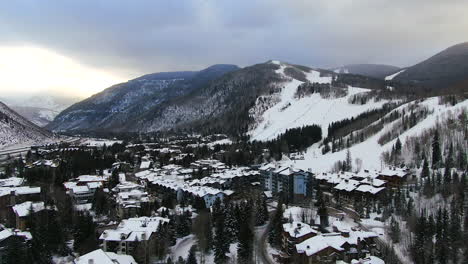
[
  {"x": 233, "y": 100},
  {"x": 15, "y": 129},
  {"x": 120, "y": 107},
  {"x": 445, "y": 69},
  {"x": 40, "y": 109}
]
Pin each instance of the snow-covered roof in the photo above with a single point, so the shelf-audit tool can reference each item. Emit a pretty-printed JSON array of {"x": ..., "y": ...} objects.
[
  {"x": 11, "y": 182},
  {"x": 298, "y": 229},
  {"x": 92, "y": 178},
  {"x": 394, "y": 172},
  {"x": 22, "y": 190},
  {"x": 268, "y": 166},
  {"x": 347, "y": 185},
  {"x": 199, "y": 191},
  {"x": 369, "y": 189},
  {"x": 98, "y": 256},
  {"x": 145, "y": 164},
  {"x": 133, "y": 229},
  {"x": 132, "y": 198},
  {"x": 6, "y": 233},
  {"x": 23, "y": 209},
  {"x": 318, "y": 243},
  {"x": 368, "y": 260}
]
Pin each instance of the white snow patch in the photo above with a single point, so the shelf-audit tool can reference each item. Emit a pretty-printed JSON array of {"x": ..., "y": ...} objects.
[
  {"x": 390, "y": 77},
  {"x": 370, "y": 150}
]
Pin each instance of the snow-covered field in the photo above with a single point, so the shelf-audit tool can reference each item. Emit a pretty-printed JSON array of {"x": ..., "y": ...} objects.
[
  {"x": 95, "y": 142},
  {"x": 370, "y": 151},
  {"x": 292, "y": 112}
]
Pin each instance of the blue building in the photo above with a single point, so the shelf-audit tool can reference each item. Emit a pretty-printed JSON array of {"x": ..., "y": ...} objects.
[{"x": 288, "y": 181}]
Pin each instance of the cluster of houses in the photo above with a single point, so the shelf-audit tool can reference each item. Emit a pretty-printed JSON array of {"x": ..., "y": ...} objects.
[
  {"x": 17, "y": 202},
  {"x": 344, "y": 242},
  {"x": 369, "y": 184},
  {"x": 220, "y": 181}
]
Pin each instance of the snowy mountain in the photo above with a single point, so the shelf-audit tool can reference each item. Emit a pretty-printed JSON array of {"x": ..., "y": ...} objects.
[
  {"x": 371, "y": 70},
  {"x": 39, "y": 109},
  {"x": 287, "y": 109},
  {"x": 409, "y": 123},
  {"x": 117, "y": 107},
  {"x": 443, "y": 70},
  {"x": 230, "y": 101},
  {"x": 16, "y": 130}
]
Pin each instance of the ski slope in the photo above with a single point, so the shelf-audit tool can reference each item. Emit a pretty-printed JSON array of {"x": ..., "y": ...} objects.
[
  {"x": 370, "y": 151},
  {"x": 390, "y": 77},
  {"x": 292, "y": 112}
]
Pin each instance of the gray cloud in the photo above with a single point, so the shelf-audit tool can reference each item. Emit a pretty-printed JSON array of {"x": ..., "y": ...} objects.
[{"x": 136, "y": 37}]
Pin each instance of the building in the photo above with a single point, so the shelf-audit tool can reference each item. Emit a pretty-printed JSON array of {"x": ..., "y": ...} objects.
[
  {"x": 394, "y": 176},
  {"x": 332, "y": 247},
  {"x": 98, "y": 256},
  {"x": 184, "y": 191},
  {"x": 23, "y": 210},
  {"x": 289, "y": 181},
  {"x": 10, "y": 196},
  {"x": 7, "y": 236},
  {"x": 294, "y": 233},
  {"x": 82, "y": 189},
  {"x": 130, "y": 198},
  {"x": 133, "y": 236}
]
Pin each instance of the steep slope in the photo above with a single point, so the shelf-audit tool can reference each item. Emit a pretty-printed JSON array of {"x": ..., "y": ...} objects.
[
  {"x": 213, "y": 100},
  {"x": 370, "y": 151},
  {"x": 222, "y": 104},
  {"x": 289, "y": 108},
  {"x": 237, "y": 102},
  {"x": 379, "y": 71},
  {"x": 119, "y": 106},
  {"x": 445, "y": 69},
  {"x": 37, "y": 115},
  {"x": 40, "y": 109},
  {"x": 15, "y": 129}
]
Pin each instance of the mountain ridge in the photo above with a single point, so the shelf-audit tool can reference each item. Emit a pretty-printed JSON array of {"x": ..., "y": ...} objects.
[{"x": 15, "y": 129}]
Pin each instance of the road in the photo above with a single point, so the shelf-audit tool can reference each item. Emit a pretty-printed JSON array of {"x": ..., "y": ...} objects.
[{"x": 261, "y": 236}]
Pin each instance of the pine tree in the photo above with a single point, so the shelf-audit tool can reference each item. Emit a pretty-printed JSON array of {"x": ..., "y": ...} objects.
[
  {"x": 221, "y": 243},
  {"x": 395, "y": 231},
  {"x": 349, "y": 161},
  {"x": 169, "y": 261},
  {"x": 245, "y": 247},
  {"x": 16, "y": 251},
  {"x": 436, "y": 153},
  {"x": 231, "y": 224},
  {"x": 276, "y": 226},
  {"x": 192, "y": 259},
  {"x": 419, "y": 241},
  {"x": 425, "y": 170}
]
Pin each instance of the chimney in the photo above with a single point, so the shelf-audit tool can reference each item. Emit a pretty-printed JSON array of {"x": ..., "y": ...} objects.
[{"x": 90, "y": 261}]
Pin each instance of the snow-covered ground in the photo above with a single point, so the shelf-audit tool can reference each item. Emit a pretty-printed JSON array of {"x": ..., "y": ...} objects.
[
  {"x": 95, "y": 142},
  {"x": 370, "y": 150},
  {"x": 292, "y": 112},
  {"x": 390, "y": 77}
]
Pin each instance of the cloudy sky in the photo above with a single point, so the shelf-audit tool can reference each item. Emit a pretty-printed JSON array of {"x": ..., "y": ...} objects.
[{"x": 82, "y": 47}]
